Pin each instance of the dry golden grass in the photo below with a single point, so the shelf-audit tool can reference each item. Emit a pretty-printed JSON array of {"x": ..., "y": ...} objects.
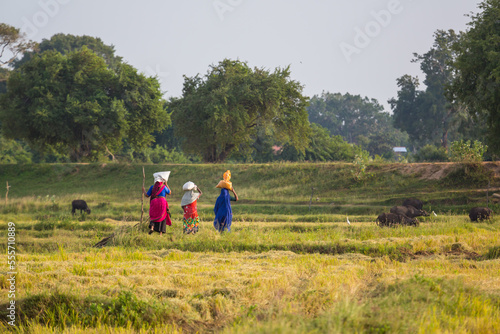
[
  {"x": 211, "y": 290},
  {"x": 284, "y": 268}
]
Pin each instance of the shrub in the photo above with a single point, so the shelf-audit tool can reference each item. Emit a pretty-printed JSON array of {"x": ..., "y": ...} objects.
[
  {"x": 431, "y": 153},
  {"x": 467, "y": 152},
  {"x": 360, "y": 162}
]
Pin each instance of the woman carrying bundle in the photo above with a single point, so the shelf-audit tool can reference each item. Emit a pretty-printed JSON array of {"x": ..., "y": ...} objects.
[
  {"x": 222, "y": 209},
  {"x": 191, "y": 220},
  {"x": 159, "y": 214}
]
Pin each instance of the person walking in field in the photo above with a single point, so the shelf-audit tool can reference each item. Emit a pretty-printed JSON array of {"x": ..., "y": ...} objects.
[
  {"x": 222, "y": 209},
  {"x": 159, "y": 213},
  {"x": 191, "y": 220}
]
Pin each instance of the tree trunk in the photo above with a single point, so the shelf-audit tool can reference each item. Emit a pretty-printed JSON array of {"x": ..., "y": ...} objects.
[
  {"x": 444, "y": 140},
  {"x": 225, "y": 152},
  {"x": 109, "y": 152}
]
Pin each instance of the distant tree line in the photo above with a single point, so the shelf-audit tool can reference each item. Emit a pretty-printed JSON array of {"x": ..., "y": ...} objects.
[{"x": 70, "y": 98}]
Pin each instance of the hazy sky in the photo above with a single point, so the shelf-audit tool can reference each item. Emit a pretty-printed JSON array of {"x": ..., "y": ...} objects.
[{"x": 347, "y": 46}]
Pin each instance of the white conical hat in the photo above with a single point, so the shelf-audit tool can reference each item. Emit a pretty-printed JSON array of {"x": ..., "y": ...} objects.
[{"x": 161, "y": 176}]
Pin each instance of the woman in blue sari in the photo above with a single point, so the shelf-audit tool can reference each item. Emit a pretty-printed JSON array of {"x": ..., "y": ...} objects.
[{"x": 222, "y": 210}]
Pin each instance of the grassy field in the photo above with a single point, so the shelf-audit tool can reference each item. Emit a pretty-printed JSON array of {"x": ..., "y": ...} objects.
[{"x": 292, "y": 263}]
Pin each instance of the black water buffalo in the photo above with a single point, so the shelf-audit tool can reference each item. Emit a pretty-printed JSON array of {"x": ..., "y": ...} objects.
[
  {"x": 416, "y": 203},
  {"x": 393, "y": 219},
  {"x": 479, "y": 213},
  {"x": 409, "y": 211},
  {"x": 79, "y": 204}
]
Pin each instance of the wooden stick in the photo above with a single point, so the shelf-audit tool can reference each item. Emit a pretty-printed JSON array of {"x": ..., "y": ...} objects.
[
  {"x": 310, "y": 201},
  {"x": 107, "y": 239},
  {"x": 104, "y": 241},
  {"x": 7, "y": 193},
  {"x": 487, "y": 195},
  {"x": 142, "y": 199}
]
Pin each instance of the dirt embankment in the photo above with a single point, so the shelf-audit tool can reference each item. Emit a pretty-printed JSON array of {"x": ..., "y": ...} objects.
[{"x": 439, "y": 170}]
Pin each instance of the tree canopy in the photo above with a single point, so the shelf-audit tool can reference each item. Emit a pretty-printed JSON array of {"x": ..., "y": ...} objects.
[
  {"x": 221, "y": 112},
  {"x": 427, "y": 115},
  {"x": 75, "y": 103},
  {"x": 323, "y": 147},
  {"x": 67, "y": 43},
  {"x": 358, "y": 120},
  {"x": 477, "y": 80}
]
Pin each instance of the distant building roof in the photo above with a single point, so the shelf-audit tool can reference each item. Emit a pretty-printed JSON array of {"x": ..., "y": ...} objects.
[{"x": 399, "y": 149}]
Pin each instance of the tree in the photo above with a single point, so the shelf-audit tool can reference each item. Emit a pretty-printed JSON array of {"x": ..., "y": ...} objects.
[
  {"x": 358, "y": 120},
  {"x": 67, "y": 43},
  {"x": 477, "y": 79},
  {"x": 427, "y": 115},
  {"x": 12, "y": 43},
  {"x": 75, "y": 103},
  {"x": 407, "y": 110},
  {"x": 221, "y": 112},
  {"x": 4, "y": 75},
  {"x": 346, "y": 115},
  {"x": 322, "y": 147}
]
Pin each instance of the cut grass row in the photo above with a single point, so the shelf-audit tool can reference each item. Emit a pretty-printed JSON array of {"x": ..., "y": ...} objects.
[{"x": 432, "y": 237}]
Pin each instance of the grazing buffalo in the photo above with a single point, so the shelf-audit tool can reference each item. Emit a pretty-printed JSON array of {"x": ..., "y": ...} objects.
[
  {"x": 409, "y": 211},
  {"x": 479, "y": 213},
  {"x": 393, "y": 219},
  {"x": 416, "y": 203},
  {"x": 79, "y": 204}
]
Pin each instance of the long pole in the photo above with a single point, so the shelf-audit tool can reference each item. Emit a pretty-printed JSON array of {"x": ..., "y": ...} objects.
[
  {"x": 487, "y": 195},
  {"x": 142, "y": 199},
  {"x": 7, "y": 193},
  {"x": 310, "y": 201}
]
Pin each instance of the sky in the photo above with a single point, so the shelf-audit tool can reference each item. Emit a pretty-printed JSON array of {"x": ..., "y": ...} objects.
[{"x": 359, "y": 47}]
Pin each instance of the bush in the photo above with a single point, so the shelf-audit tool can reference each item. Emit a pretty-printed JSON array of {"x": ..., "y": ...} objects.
[
  {"x": 360, "y": 163},
  {"x": 13, "y": 152},
  {"x": 159, "y": 154},
  {"x": 431, "y": 153},
  {"x": 467, "y": 152}
]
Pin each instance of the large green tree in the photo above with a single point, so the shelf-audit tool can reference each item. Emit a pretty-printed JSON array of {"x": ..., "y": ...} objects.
[
  {"x": 477, "y": 80},
  {"x": 75, "y": 103},
  {"x": 358, "y": 120},
  {"x": 345, "y": 115},
  {"x": 221, "y": 112},
  {"x": 428, "y": 116},
  {"x": 67, "y": 43}
]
